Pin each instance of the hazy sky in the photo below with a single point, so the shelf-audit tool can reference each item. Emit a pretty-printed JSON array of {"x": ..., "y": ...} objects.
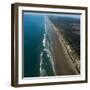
[
  {"x": 61, "y": 15},
  {"x": 70, "y": 15}
]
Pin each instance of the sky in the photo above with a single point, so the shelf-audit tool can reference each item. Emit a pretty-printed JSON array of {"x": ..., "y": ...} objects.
[{"x": 61, "y": 14}]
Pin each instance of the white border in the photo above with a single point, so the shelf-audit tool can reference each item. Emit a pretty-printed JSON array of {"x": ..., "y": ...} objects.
[{"x": 54, "y": 78}]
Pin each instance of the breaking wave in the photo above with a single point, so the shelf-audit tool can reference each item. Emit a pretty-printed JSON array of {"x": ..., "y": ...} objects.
[{"x": 46, "y": 57}]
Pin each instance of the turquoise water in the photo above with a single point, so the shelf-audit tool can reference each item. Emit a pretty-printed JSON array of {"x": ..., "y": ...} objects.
[{"x": 36, "y": 62}]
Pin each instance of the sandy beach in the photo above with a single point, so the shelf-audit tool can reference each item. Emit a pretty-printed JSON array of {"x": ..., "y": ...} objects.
[{"x": 63, "y": 63}]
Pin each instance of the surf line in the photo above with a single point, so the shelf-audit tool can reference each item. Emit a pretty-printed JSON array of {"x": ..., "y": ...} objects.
[{"x": 46, "y": 45}]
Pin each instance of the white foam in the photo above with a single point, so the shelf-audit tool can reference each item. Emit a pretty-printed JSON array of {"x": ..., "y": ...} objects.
[
  {"x": 42, "y": 71},
  {"x": 44, "y": 40},
  {"x": 46, "y": 46}
]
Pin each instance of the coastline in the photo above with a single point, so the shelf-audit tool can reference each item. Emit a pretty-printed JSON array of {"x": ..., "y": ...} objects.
[{"x": 63, "y": 62}]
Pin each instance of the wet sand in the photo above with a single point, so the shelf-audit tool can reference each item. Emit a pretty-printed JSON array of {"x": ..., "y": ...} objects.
[{"x": 63, "y": 63}]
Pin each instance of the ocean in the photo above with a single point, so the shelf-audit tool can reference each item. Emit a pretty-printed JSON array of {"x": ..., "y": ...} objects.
[{"x": 37, "y": 56}]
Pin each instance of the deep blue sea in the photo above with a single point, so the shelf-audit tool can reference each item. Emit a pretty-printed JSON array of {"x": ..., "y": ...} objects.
[{"x": 36, "y": 62}]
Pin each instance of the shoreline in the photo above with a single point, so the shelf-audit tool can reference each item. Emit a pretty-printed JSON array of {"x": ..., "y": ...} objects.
[{"x": 63, "y": 64}]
